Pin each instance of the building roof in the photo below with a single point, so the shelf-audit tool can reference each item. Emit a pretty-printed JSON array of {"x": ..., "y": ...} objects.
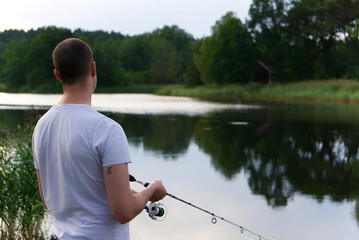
[{"x": 268, "y": 68}]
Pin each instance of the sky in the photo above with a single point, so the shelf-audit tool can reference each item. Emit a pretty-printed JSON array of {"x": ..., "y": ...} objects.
[{"x": 129, "y": 17}]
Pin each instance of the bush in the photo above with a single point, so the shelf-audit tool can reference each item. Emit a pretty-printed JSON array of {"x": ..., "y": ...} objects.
[{"x": 21, "y": 209}]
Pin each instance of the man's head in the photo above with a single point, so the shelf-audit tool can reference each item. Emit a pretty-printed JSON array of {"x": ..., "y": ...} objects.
[{"x": 72, "y": 59}]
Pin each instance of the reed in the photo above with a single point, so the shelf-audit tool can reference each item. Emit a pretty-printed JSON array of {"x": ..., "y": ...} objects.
[
  {"x": 323, "y": 90},
  {"x": 21, "y": 209}
]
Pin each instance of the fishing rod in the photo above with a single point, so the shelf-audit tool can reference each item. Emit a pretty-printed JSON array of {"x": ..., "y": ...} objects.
[{"x": 158, "y": 210}]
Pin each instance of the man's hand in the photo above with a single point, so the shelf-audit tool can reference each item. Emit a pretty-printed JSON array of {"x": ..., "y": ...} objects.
[{"x": 160, "y": 191}]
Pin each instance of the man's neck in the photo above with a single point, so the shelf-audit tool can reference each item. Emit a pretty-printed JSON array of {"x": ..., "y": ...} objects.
[{"x": 76, "y": 95}]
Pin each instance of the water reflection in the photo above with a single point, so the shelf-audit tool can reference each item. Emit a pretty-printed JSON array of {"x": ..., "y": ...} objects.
[
  {"x": 169, "y": 136},
  {"x": 282, "y": 151},
  {"x": 281, "y": 155}
]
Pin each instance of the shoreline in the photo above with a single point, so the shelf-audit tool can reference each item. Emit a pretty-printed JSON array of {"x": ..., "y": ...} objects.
[{"x": 342, "y": 90}]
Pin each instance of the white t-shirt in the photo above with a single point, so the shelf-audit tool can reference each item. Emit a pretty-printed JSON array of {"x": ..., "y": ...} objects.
[{"x": 71, "y": 145}]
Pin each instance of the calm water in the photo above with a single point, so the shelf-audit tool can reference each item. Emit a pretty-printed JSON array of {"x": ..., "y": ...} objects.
[{"x": 286, "y": 171}]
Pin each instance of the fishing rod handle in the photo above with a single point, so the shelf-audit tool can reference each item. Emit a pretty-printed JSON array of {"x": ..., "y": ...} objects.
[{"x": 133, "y": 179}]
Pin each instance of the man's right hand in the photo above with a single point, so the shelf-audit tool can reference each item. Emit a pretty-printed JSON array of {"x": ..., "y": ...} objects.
[{"x": 160, "y": 191}]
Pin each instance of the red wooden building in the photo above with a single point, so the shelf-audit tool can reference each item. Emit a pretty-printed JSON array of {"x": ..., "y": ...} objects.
[{"x": 264, "y": 73}]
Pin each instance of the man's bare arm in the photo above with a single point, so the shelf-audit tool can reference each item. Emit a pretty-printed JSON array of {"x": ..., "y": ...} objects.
[{"x": 125, "y": 203}]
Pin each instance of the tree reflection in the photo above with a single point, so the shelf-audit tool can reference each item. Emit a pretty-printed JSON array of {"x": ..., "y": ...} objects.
[
  {"x": 223, "y": 144},
  {"x": 166, "y": 135},
  {"x": 281, "y": 155}
]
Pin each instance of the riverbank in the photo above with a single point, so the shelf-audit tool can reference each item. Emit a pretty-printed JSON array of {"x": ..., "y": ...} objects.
[{"x": 341, "y": 90}]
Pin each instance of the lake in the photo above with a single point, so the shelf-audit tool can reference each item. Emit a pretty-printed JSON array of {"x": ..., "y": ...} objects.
[{"x": 282, "y": 170}]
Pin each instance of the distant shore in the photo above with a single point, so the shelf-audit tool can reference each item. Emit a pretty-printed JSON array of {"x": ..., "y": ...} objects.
[{"x": 341, "y": 90}]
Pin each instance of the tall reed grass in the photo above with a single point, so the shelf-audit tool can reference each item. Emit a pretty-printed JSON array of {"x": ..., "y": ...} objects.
[{"x": 21, "y": 209}]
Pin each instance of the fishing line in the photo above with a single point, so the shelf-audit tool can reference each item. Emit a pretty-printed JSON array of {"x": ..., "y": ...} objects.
[{"x": 214, "y": 216}]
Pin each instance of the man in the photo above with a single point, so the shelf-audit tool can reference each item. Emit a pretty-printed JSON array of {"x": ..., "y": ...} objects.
[{"x": 81, "y": 157}]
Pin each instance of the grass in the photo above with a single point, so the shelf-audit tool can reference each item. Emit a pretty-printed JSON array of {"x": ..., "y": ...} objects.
[
  {"x": 21, "y": 209},
  {"x": 324, "y": 90}
]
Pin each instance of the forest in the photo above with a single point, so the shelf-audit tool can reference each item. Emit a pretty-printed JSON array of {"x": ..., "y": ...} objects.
[{"x": 300, "y": 39}]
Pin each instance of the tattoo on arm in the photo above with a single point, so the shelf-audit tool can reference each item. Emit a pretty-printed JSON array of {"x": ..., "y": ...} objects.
[{"x": 109, "y": 170}]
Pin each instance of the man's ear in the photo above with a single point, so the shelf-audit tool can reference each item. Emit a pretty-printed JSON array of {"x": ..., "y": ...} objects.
[
  {"x": 57, "y": 75},
  {"x": 93, "y": 68}
]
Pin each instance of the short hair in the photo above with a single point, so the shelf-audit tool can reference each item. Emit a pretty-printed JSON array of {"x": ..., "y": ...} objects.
[{"x": 72, "y": 59}]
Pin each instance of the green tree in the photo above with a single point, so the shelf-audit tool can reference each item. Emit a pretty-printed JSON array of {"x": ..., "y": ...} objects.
[
  {"x": 172, "y": 50},
  {"x": 228, "y": 55},
  {"x": 191, "y": 76},
  {"x": 39, "y": 58},
  {"x": 134, "y": 60},
  {"x": 15, "y": 67},
  {"x": 344, "y": 16},
  {"x": 268, "y": 25},
  {"x": 135, "y": 53},
  {"x": 14, "y": 34},
  {"x": 99, "y": 35},
  {"x": 319, "y": 28},
  {"x": 106, "y": 55},
  {"x": 163, "y": 61}
]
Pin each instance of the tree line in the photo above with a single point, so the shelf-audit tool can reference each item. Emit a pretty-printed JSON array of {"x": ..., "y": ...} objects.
[{"x": 301, "y": 39}]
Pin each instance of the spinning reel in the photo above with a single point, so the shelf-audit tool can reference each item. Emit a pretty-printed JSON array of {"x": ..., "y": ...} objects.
[{"x": 156, "y": 211}]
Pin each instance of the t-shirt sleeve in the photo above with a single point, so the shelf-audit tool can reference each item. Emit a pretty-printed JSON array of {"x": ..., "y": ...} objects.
[{"x": 110, "y": 143}]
